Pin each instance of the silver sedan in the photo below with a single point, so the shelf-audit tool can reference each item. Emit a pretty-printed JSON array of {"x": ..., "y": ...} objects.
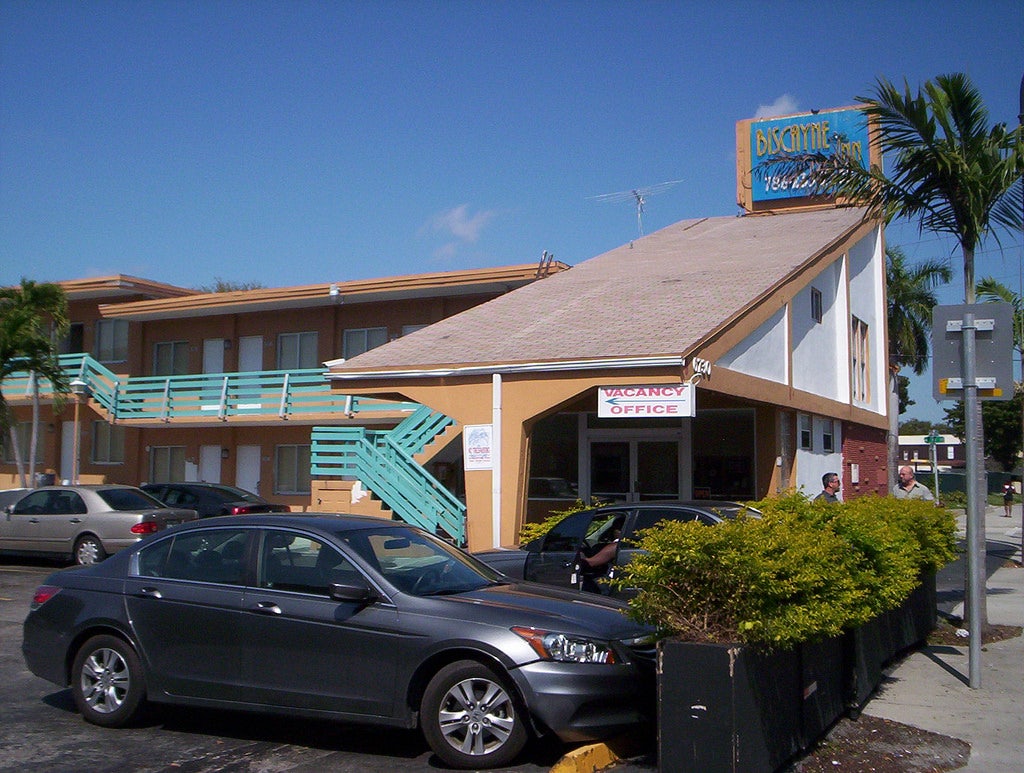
[{"x": 85, "y": 522}]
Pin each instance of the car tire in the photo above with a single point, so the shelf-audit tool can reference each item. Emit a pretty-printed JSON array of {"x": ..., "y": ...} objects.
[
  {"x": 471, "y": 717},
  {"x": 88, "y": 550},
  {"x": 107, "y": 681}
]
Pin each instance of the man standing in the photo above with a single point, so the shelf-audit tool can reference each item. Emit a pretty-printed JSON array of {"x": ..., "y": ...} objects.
[
  {"x": 909, "y": 488},
  {"x": 831, "y": 486}
]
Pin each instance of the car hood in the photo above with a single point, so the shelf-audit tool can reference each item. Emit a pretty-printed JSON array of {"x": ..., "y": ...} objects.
[{"x": 541, "y": 606}]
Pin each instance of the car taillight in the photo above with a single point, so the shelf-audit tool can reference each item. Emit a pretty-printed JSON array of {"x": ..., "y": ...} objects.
[
  {"x": 146, "y": 527},
  {"x": 240, "y": 510},
  {"x": 43, "y": 594}
]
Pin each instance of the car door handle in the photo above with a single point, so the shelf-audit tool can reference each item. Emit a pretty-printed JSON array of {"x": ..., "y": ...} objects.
[
  {"x": 33, "y": 520},
  {"x": 268, "y": 608},
  {"x": 152, "y": 593},
  {"x": 76, "y": 520}
]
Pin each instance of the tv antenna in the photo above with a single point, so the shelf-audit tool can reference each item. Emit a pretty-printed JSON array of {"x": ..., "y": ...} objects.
[{"x": 640, "y": 196}]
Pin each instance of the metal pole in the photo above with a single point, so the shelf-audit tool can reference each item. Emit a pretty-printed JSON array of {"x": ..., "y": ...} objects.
[
  {"x": 935, "y": 463},
  {"x": 74, "y": 457},
  {"x": 975, "y": 532}
]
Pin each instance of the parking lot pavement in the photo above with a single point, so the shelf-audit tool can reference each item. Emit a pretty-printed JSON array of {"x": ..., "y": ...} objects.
[{"x": 41, "y": 730}]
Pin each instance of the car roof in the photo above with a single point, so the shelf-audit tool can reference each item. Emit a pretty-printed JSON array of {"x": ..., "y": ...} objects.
[
  {"x": 327, "y": 521},
  {"x": 700, "y": 503}
]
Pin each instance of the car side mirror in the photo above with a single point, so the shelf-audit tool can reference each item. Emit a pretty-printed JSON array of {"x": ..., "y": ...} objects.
[{"x": 358, "y": 593}]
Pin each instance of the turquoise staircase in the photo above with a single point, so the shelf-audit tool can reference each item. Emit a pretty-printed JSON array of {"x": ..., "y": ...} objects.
[{"x": 383, "y": 461}]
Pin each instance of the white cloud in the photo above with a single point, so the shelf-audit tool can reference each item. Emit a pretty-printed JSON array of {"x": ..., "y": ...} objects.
[
  {"x": 460, "y": 224},
  {"x": 784, "y": 105}
]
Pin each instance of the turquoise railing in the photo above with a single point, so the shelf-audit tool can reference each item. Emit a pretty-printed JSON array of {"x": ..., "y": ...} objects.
[
  {"x": 381, "y": 459},
  {"x": 276, "y": 393},
  {"x": 376, "y": 459}
]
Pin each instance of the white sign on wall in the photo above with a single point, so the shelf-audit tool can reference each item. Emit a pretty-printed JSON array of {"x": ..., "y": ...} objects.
[
  {"x": 664, "y": 400},
  {"x": 478, "y": 447}
]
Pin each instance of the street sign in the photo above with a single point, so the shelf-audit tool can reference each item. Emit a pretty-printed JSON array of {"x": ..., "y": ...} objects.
[
  {"x": 935, "y": 439},
  {"x": 993, "y": 350}
]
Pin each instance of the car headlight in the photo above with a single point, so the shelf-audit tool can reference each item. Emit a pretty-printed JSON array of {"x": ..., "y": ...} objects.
[{"x": 566, "y": 648}]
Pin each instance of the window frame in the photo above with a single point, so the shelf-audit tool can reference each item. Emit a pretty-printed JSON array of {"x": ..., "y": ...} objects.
[
  {"x": 860, "y": 365},
  {"x": 805, "y": 435},
  {"x": 107, "y": 442},
  {"x": 303, "y": 350},
  {"x": 172, "y": 452},
  {"x": 817, "y": 305},
  {"x": 298, "y": 475},
  {"x": 179, "y": 359},
  {"x": 115, "y": 349},
  {"x": 364, "y": 346}
]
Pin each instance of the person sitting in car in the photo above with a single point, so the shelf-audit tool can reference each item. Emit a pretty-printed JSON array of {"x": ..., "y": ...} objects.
[{"x": 600, "y": 563}]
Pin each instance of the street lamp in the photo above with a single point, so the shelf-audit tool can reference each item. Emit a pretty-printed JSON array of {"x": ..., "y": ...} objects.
[{"x": 81, "y": 391}]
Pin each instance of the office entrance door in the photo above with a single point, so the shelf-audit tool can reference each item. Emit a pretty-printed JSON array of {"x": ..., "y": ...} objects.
[{"x": 634, "y": 470}]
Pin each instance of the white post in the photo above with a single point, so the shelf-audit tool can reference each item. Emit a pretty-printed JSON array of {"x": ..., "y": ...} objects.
[{"x": 496, "y": 460}]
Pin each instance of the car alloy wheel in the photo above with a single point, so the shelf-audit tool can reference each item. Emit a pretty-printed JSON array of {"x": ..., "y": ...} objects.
[
  {"x": 470, "y": 717},
  {"x": 107, "y": 681},
  {"x": 89, "y": 550}
]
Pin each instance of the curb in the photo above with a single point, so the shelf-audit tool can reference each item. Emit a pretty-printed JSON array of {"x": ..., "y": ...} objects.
[{"x": 598, "y": 756}]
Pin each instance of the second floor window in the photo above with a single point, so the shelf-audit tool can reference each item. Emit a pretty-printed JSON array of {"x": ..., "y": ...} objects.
[
  {"x": 297, "y": 351},
  {"x": 362, "y": 339},
  {"x": 805, "y": 432},
  {"x": 111, "y": 340},
  {"x": 170, "y": 358},
  {"x": 107, "y": 443},
  {"x": 816, "y": 305},
  {"x": 828, "y": 435},
  {"x": 859, "y": 361}
]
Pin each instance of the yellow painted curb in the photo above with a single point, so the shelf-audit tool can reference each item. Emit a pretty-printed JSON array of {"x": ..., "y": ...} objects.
[
  {"x": 586, "y": 759},
  {"x": 597, "y": 756}
]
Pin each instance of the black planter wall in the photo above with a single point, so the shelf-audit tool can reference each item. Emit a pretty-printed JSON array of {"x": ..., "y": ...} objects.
[{"x": 737, "y": 709}]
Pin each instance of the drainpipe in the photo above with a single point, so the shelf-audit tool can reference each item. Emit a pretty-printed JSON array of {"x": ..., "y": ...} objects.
[{"x": 496, "y": 460}]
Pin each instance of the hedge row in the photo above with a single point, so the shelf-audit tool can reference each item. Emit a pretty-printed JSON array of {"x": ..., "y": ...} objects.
[{"x": 802, "y": 572}]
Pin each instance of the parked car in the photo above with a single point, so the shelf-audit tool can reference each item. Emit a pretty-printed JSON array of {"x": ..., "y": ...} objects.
[
  {"x": 556, "y": 557},
  {"x": 87, "y": 523},
  {"x": 212, "y": 498},
  {"x": 346, "y": 617}
]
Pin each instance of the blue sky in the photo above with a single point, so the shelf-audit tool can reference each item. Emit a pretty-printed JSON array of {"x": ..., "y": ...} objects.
[{"x": 297, "y": 142}]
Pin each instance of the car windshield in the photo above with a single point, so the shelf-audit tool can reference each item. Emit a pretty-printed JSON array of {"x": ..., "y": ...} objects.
[
  {"x": 732, "y": 510},
  {"x": 418, "y": 563},
  {"x": 128, "y": 499}
]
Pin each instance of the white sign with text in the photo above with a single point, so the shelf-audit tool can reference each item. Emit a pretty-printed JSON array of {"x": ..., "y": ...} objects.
[{"x": 664, "y": 400}]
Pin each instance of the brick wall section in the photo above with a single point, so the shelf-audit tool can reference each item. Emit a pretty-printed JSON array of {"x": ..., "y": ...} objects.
[{"x": 865, "y": 446}]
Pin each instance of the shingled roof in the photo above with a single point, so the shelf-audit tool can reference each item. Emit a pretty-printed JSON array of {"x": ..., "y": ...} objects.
[{"x": 658, "y": 296}]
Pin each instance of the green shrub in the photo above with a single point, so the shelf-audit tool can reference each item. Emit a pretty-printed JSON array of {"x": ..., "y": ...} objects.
[{"x": 804, "y": 571}]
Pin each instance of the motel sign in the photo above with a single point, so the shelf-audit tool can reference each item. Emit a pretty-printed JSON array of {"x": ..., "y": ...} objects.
[{"x": 655, "y": 400}]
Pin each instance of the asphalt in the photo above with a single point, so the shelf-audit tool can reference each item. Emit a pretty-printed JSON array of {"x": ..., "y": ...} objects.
[{"x": 929, "y": 689}]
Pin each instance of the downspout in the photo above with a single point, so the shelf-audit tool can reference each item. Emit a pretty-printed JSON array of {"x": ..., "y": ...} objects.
[{"x": 496, "y": 460}]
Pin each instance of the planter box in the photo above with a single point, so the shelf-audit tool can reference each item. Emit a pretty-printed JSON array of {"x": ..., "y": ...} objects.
[{"x": 737, "y": 709}]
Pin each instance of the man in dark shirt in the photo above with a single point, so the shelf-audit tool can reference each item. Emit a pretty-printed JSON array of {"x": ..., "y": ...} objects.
[{"x": 831, "y": 486}]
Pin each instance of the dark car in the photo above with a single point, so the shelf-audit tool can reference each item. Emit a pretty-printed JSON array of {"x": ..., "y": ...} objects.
[
  {"x": 353, "y": 618},
  {"x": 212, "y": 498},
  {"x": 557, "y": 557},
  {"x": 85, "y": 522}
]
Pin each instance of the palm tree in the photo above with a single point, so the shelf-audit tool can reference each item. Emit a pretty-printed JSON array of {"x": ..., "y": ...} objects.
[
  {"x": 27, "y": 342},
  {"x": 954, "y": 175},
  {"x": 910, "y": 291}
]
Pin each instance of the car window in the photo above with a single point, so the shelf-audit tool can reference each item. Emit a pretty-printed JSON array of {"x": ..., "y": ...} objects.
[
  {"x": 645, "y": 519},
  {"x": 295, "y": 562},
  {"x": 208, "y": 555},
  {"x": 128, "y": 499},
  {"x": 179, "y": 498},
  {"x": 33, "y": 503},
  {"x": 567, "y": 534}
]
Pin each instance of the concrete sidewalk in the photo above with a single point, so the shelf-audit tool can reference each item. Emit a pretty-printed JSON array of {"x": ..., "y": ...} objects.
[{"x": 929, "y": 689}]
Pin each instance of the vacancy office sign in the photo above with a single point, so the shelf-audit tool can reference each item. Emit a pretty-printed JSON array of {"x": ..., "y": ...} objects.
[{"x": 667, "y": 400}]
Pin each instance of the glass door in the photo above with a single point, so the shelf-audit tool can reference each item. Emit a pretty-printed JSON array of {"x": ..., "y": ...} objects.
[{"x": 634, "y": 470}]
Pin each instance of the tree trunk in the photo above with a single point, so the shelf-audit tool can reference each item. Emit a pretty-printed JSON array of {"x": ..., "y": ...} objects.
[{"x": 34, "y": 439}]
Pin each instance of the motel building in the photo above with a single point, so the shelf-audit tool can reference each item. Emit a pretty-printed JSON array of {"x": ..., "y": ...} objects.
[{"x": 720, "y": 358}]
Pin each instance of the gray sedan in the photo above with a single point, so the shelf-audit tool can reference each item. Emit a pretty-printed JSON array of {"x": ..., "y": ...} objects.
[
  {"x": 85, "y": 522},
  {"x": 353, "y": 618}
]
